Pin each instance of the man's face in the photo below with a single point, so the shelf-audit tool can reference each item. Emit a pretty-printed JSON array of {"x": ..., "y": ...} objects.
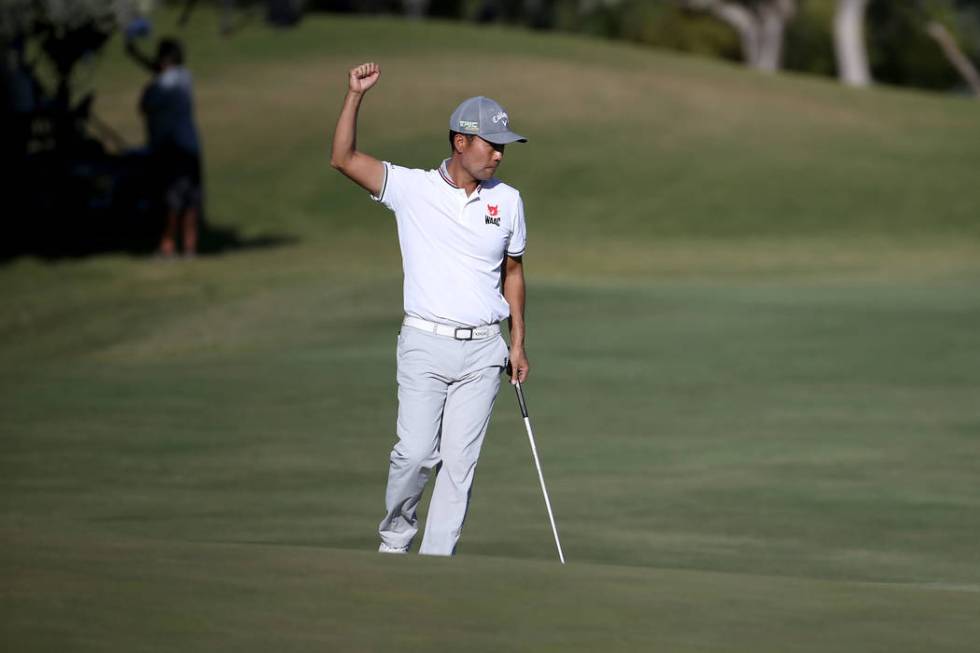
[{"x": 480, "y": 158}]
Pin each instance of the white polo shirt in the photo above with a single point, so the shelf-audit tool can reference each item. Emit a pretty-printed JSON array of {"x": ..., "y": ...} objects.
[{"x": 453, "y": 246}]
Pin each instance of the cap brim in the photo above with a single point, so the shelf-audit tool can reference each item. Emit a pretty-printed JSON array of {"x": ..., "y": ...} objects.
[{"x": 503, "y": 138}]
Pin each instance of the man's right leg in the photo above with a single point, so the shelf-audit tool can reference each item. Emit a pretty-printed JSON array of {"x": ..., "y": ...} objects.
[
  {"x": 421, "y": 399},
  {"x": 168, "y": 241},
  {"x": 172, "y": 201}
]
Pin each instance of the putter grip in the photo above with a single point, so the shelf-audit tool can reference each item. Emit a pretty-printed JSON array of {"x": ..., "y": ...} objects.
[{"x": 520, "y": 398}]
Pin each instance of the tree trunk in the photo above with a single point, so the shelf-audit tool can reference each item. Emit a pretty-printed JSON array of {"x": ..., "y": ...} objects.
[
  {"x": 761, "y": 31},
  {"x": 773, "y": 18},
  {"x": 852, "y": 56},
  {"x": 955, "y": 55}
]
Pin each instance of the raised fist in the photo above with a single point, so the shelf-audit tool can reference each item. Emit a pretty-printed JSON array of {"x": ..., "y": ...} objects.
[{"x": 364, "y": 77}]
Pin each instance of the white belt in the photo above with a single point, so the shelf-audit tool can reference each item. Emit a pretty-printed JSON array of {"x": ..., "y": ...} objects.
[{"x": 459, "y": 333}]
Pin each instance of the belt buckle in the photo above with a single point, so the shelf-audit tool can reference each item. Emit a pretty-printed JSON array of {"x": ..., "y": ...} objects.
[{"x": 459, "y": 337}]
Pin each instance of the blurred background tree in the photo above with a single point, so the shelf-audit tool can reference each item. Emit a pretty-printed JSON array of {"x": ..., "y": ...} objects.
[
  {"x": 886, "y": 41},
  {"x": 75, "y": 185},
  {"x": 901, "y": 49},
  {"x": 60, "y": 36},
  {"x": 62, "y": 164},
  {"x": 850, "y": 45},
  {"x": 760, "y": 25}
]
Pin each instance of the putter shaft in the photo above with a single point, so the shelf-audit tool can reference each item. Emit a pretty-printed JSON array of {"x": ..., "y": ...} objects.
[{"x": 537, "y": 464}]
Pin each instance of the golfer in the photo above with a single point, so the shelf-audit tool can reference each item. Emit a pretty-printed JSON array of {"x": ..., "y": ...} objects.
[{"x": 462, "y": 239}]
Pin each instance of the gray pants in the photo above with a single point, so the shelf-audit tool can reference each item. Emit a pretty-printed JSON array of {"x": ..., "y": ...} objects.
[{"x": 446, "y": 391}]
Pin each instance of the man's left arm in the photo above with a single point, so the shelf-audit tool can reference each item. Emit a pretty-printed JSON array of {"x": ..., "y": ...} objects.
[{"x": 514, "y": 293}]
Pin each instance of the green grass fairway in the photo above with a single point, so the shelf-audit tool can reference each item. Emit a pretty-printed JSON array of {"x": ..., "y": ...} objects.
[{"x": 754, "y": 326}]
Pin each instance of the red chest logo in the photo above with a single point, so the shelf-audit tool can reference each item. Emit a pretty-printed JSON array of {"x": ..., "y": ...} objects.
[{"x": 491, "y": 217}]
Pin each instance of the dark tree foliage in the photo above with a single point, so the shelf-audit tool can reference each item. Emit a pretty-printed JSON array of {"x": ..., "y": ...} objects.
[
  {"x": 355, "y": 6},
  {"x": 69, "y": 193},
  {"x": 809, "y": 42},
  {"x": 71, "y": 186},
  {"x": 900, "y": 50}
]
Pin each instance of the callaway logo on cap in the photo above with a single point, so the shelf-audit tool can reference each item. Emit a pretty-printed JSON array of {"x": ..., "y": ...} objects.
[{"x": 485, "y": 118}]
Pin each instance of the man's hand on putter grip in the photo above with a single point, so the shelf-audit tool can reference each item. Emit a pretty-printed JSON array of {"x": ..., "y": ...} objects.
[
  {"x": 518, "y": 367},
  {"x": 364, "y": 77}
]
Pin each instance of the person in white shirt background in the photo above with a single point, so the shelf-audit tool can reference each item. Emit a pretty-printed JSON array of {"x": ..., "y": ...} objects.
[
  {"x": 173, "y": 143},
  {"x": 462, "y": 236}
]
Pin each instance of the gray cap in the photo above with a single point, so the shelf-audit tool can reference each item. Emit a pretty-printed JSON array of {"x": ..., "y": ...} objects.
[{"x": 485, "y": 118}]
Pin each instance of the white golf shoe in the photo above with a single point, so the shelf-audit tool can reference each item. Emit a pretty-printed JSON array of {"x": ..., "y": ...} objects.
[{"x": 384, "y": 548}]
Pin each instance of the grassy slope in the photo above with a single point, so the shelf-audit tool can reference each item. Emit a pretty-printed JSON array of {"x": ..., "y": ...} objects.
[{"x": 754, "y": 326}]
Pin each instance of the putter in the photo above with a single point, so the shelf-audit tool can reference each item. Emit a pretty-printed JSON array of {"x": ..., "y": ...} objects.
[{"x": 537, "y": 463}]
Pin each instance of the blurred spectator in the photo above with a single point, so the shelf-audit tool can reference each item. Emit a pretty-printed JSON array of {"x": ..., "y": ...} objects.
[{"x": 167, "y": 106}]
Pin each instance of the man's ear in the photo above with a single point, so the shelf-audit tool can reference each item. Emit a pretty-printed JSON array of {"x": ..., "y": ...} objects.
[{"x": 458, "y": 141}]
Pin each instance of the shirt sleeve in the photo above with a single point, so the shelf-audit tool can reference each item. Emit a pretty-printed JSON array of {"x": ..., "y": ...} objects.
[
  {"x": 393, "y": 186},
  {"x": 518, "y": 235}
]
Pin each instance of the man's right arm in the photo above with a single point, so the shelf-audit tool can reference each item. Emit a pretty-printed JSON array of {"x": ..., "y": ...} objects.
[
  {"x": 134, "y": 52},
  {"x": 363, "y": 168}
]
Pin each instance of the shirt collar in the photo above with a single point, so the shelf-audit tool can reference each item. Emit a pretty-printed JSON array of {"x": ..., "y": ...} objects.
[{"x": 446, "y": 177}]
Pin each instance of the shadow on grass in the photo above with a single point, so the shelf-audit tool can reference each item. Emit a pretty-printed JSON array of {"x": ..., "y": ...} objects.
[
  {"x": 141, "y": 239},
  {"x": 85, "y": 202},
  {"x": 219, "y": 240}
]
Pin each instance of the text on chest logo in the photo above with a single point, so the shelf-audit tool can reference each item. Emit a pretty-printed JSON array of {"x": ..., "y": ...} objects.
[{"x": 492, "y": 217}]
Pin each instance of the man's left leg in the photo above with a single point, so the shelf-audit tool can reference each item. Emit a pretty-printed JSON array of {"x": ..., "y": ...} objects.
[
  {"x": 189, "y": 227},
  {"x": 465, "y": 420}
]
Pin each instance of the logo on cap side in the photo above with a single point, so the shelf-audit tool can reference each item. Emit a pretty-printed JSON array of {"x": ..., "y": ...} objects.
[
  {"x": 500, "y": 116},
  {"x": 469, "y": 125}
]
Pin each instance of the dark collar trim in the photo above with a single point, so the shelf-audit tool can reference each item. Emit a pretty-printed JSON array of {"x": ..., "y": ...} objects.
[
  {"x": 444, "y": 173},
  {"x": 445, "y": 176}
]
